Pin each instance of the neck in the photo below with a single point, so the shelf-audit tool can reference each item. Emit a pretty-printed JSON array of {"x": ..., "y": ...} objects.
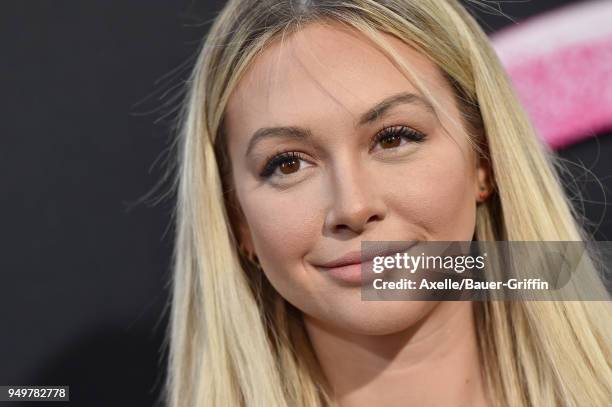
[{"x": 433, "y": 363}]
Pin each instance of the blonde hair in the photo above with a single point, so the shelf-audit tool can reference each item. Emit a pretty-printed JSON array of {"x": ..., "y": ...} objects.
[{"x": 233, "y": 341}]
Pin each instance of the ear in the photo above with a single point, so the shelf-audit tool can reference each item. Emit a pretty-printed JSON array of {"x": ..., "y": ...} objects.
[
  {"x": 240, "y": 226},
  {"x": 483, "y": 182},
  {"x": 245, "y": 240}
]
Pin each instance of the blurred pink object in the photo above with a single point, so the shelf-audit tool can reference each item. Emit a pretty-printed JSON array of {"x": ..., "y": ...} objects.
[{"x": 561, "y": 66}]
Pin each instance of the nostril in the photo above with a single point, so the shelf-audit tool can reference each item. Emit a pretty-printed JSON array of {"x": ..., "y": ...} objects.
[
  {"x": 342, "y": 227},
  {"x": 373, "y": 218},
  {"x": 354, "y": 218}
]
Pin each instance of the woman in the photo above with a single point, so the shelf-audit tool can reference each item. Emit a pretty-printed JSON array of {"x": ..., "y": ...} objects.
[{"x": 311, "y": 126}]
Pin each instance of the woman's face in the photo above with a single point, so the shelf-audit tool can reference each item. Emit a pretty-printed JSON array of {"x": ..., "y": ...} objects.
[{"x": 315, "y": 172}]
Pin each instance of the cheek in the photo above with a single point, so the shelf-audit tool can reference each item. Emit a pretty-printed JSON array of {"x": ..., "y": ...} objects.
[
  {"x": 284, "y": 227},
  {"x": 438, "y": 196}
]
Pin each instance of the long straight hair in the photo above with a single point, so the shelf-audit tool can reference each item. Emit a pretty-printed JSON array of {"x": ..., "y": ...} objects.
[{"x": 233, "y": 341}]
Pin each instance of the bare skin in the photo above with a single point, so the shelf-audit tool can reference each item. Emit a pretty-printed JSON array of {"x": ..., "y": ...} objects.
[{"x": 336, "y": 185}]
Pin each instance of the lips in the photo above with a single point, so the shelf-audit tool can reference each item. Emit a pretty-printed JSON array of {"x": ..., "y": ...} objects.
[
  {"x": 357, "y": 257},
  {"x": 348, "y": 268},
  {"x": 353, "y": 257}
]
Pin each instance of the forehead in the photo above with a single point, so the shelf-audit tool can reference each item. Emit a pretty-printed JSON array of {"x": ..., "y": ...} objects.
[{"x": 320, "y": 74}]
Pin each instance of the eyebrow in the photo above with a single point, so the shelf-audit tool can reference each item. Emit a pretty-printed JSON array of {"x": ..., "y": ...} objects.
[{"x": 371, "y": 115}]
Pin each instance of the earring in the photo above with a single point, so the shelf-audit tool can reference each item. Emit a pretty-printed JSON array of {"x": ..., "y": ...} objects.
[
  {"x": 483, "y": 192},
  {"x": 253, "y": 259},
  {"x": 250, "y": 256}
]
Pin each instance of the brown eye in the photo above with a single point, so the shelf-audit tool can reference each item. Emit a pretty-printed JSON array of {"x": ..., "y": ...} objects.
[
  {"x": 285, "y": 164},
  {"x": 390, "y": 141},
  {"x": 289, "y": 166},
  {"x": 397, "y": 136}
]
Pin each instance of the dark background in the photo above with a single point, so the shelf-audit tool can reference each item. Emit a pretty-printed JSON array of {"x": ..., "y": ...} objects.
[{"x": 88, "y": 95}]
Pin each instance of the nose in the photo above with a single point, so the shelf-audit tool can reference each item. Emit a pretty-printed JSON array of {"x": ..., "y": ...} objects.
[{"x": 356, "y": 205}]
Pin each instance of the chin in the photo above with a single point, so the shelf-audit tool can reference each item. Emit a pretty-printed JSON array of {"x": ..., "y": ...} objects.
[{"x": 377, "y": 317}]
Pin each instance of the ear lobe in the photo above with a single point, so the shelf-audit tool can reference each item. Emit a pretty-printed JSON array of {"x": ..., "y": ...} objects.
[
  {"x": 240, "y": 227},
  {"x": 483, "y": 176},
  {"x": 244, "y": 238},
  {"x": 484, "y": 181}
]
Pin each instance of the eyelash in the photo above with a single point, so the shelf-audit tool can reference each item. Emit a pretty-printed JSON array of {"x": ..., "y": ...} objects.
[{"x": 404, "y": 132}]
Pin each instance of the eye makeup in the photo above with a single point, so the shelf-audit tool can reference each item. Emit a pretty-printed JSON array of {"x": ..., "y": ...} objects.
[{"x": 289, "y": 162}]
